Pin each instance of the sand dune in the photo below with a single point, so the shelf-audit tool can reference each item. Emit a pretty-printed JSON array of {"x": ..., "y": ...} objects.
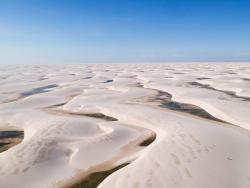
[{"x": 163, "y": 125}]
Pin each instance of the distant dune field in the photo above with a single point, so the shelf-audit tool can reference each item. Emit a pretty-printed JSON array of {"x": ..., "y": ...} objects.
[{"x": 125, "y": 126}]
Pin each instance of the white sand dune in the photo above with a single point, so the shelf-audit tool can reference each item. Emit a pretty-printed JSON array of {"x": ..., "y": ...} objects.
[{"x": 81, "y": 119}]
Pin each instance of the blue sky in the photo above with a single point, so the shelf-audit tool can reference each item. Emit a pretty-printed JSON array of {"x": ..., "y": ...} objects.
[{"x": 79, "y": 31}]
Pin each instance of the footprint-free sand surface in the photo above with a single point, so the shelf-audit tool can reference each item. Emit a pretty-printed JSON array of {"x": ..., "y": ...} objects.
[{"x": 135, "y": 125}]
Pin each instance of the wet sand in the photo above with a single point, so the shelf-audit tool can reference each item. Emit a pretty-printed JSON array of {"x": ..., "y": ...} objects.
[{"x": 9, "y": 138}]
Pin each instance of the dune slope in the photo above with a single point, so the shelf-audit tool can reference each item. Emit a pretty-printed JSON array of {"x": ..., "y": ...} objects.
[{"x": 161, "y": 125}]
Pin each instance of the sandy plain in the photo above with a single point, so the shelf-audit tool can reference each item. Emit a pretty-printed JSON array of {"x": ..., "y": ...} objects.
[{"x": 173, "y": 125}]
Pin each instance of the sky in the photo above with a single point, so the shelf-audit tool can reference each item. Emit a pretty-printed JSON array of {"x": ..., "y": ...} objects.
[{"x": 93, "y": 31}]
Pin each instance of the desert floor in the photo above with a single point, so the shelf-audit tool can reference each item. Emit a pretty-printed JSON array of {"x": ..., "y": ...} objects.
[{"x": 144, "y": 125}]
